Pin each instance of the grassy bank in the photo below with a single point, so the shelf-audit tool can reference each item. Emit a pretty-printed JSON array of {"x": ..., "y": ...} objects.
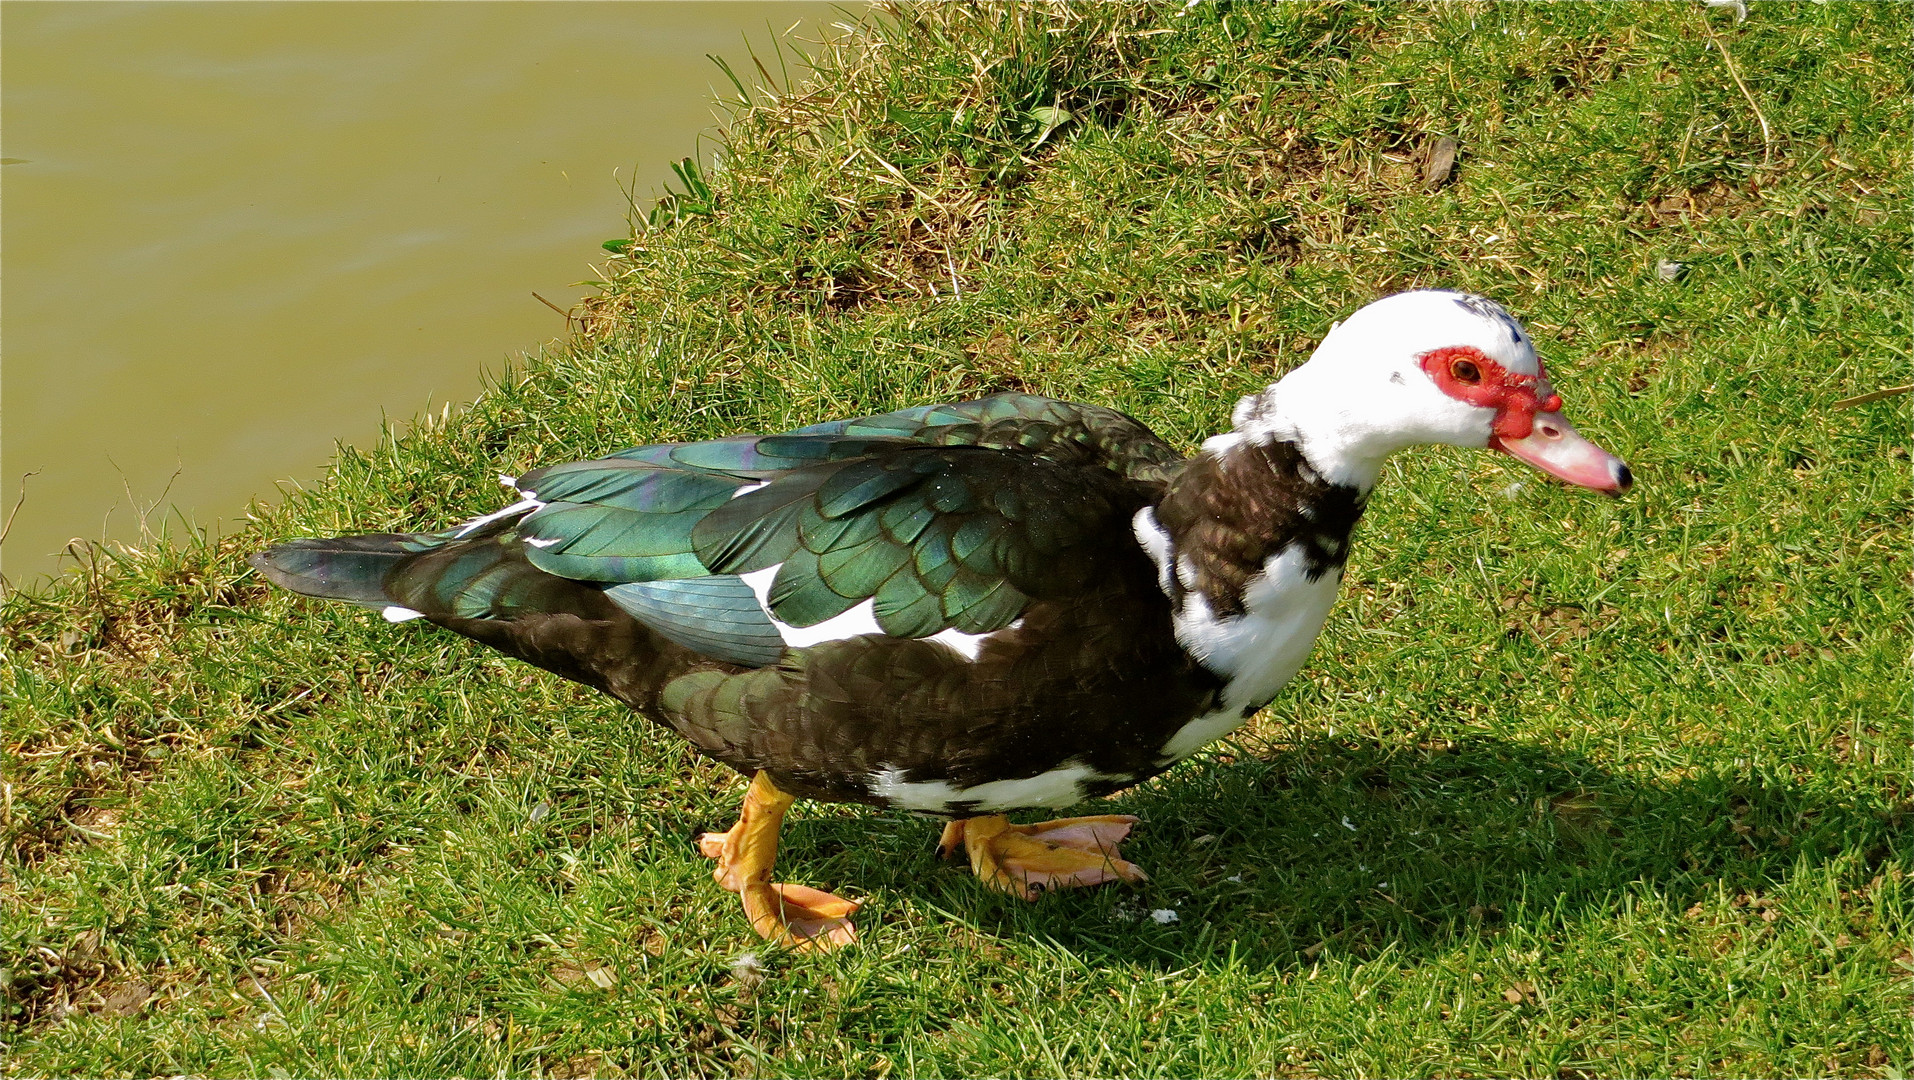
[{"x": 1570, "y": 787}]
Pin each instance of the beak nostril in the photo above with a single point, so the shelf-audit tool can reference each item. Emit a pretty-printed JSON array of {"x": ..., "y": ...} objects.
[{"x": 1550, "y": 431}]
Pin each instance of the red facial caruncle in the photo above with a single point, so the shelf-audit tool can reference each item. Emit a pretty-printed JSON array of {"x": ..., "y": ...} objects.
[
  {"x": 1467, "y": 374},
  {"x": 1528, "y": 418}
]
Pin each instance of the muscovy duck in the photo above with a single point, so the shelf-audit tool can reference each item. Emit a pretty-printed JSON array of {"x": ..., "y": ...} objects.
[{"x": 964, "y": 609}]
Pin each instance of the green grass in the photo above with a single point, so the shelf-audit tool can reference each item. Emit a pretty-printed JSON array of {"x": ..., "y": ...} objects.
[{"x": 1570, "y": 787}]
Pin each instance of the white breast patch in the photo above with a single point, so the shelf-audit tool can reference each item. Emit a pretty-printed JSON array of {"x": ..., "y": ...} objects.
[{"x": 1257, "y": 651}]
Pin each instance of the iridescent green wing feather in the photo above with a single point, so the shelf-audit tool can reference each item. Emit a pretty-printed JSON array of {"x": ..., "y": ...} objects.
[
  {"x": 1057, "y": 430},
  {"x": 462, "y": 573},
  {"x": 940, "y": 537},
  {"x": 945, "y": 516}
]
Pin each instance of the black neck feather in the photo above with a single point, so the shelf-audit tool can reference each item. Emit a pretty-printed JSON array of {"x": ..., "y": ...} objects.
[{"x": 1227, "y": 513}]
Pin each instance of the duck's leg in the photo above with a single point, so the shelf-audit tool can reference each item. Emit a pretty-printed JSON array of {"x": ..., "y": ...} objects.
[
  {"x": 1028, "y": 860},
  {"x": 793, "y": 915}
]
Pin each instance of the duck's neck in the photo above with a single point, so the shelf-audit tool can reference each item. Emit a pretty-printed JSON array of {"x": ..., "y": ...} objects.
[
  {"x": 1340, "y": 440},
  {"x": 1244, "y": 501}
]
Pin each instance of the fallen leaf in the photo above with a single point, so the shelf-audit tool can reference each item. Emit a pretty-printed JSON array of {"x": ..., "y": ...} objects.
[
  {"x": 1435, "y": 172},
  {"x": 128, "y": 1000}
]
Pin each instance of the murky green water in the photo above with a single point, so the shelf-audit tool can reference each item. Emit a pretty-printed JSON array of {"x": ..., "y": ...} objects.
[{"x": 234, "y": 232}]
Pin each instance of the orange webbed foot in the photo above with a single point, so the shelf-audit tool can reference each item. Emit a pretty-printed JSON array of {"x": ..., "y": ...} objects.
[
  {"x": 1029, "y": 860},
  {"x": 797, "y": 916}
]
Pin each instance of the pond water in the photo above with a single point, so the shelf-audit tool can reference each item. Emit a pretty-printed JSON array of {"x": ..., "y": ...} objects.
[{"x": 236, "y": 232}]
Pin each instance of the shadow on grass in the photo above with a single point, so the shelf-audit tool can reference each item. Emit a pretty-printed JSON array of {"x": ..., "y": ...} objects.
[{"x": 1327, "y": 846}]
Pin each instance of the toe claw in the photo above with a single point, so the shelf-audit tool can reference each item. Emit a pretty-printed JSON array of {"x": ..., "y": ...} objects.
[{"x": 952, "y": 841}]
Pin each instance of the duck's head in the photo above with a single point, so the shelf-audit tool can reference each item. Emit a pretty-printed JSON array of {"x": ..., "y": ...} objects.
[{"x": 1427, "y": 367}]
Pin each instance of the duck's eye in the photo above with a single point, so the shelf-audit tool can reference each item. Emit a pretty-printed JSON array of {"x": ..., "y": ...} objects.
[{"x": 1466, "y": 371}]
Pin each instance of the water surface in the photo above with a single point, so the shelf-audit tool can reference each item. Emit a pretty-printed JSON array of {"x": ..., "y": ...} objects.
[{"x": 235, "y": 232}]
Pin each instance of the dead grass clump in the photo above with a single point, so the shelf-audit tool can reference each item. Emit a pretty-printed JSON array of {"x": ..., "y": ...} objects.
[
  {"x": 47, "y": 985},
  {"x": 105, "y": 654},
  {"x": 918, "y": 244},
  {"x": 918, "y": 154},
  {"x": 1714, "y": 199},
  {"x": 994, "y": 365}
]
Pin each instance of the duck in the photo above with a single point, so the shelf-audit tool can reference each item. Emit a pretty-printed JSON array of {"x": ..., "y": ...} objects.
[{"x": 966, "y": 609}]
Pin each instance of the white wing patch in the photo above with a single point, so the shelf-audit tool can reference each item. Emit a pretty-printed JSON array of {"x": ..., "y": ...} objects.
[
  {"x": 856, "y": 622},
  {"x": 395, "y": 614},
  {"x": 522, "y": 506},
  {"x": 1061, "y": 786},
  {"x": 967, "y": 645}
]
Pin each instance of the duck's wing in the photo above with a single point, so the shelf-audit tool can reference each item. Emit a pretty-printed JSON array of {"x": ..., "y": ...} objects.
[
  {"x": 944, "y": 517},
  {"x": 1063, "y": 431}
]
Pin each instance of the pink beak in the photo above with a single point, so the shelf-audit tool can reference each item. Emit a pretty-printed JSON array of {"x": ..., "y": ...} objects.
[{"x": 1556, "y": 448}]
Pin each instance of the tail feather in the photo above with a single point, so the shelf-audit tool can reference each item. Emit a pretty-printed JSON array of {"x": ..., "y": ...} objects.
[
  {"x": 489, "y": 578},
  {"x": 483, "y": 576},
  {"x": 350, "y": 568}
]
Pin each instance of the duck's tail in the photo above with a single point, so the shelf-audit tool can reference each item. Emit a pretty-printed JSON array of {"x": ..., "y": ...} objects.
[
  {"x": 350, "y": 568},
  {"x": 464, "y": 574}
]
